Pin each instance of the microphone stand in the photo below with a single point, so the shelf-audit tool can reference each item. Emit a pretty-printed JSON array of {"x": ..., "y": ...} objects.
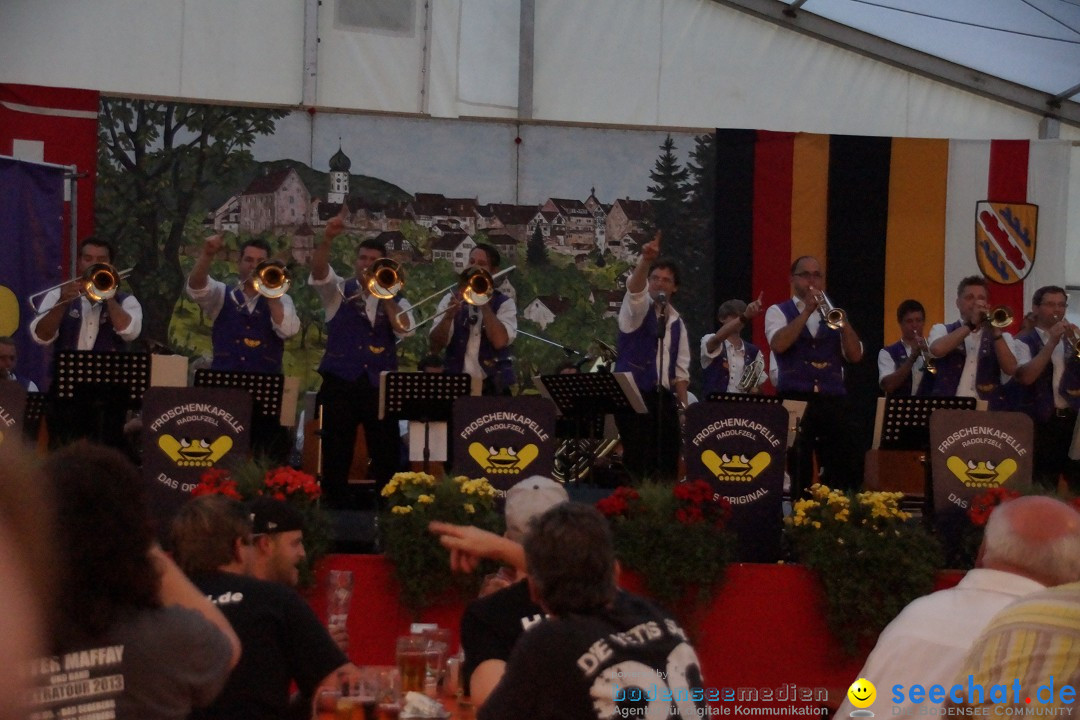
[{"x": 661, "y": 332}]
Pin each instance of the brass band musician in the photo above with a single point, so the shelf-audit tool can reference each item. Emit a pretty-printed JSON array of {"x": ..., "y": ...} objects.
[{"x": 729, "y": 363}]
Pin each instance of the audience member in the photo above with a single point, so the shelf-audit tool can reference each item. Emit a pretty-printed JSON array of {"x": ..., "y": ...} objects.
[
  {"x": 1029, "y": 544},
  {"x": 153, "y": 644},
  {"x": 601, "y": 653},
  {"x": 283, "y": 640}
]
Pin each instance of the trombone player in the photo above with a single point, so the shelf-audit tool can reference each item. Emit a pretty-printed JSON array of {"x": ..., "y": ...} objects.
[
  {"x": 974, "y": 354},
  {"x": 1048, "y": 380},
  {"x": 902, "y": 366},
  {"x": 249, "y": 327},
  {"x": 729, "y": 363},
  {"x": 72, "y": 321},
  {"x": 477, "y": 339},
  {"x": 364, "y": 320}
]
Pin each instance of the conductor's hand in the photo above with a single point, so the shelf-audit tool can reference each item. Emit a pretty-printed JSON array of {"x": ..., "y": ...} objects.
[
  {"x": 651, "y": 250},
  {"x": 754, "y": 308},
  {"x": 336, "y": 225}
]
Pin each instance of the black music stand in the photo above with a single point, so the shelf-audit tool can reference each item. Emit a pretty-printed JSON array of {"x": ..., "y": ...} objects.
[
  {"x": 585, "y": 398},
  {"x": 904, "y": 424},
  {"x": 745, "y": 398},
  {"x": 36, "y": 405},
  {"x": 92, "y": 393},
  {"x": 268, "y": 437},
  {"x": 421, "y": 397}
]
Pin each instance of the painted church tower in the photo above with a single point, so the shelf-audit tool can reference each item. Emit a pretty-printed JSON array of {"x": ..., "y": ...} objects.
[{"x": 339, "y": 177}]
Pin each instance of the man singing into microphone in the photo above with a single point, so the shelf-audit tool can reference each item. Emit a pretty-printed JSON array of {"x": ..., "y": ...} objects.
[{"x": 653, "y": 347}]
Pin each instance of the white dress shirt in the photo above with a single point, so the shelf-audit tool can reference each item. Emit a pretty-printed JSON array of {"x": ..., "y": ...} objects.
[
  {"x": 90, "y": 312},
  {"x": 736, "y": 358},
  {"x": 212, "y": 298},
  {"x": 927, "y": 642},
  {"x": 635, "y": 307},
  {"x": 506, "y": 314},
  {"x": 966, "y": 387}
]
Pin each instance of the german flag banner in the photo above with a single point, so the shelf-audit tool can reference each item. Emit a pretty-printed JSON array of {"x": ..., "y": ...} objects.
[{"x": 889, "y": 218}]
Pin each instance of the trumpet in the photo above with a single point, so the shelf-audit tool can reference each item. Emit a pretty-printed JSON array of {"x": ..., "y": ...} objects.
[
  {"x": 833, "y": 316},
  {"x": 999, "y": 317},
  {"x": 384, "y": 279},
  {"x": 752, "y": 374},
  {"x": 271, "y": 279},
  {"x": 99, "y": 283},
  {"x": 1070, "y": 337},
  {"x": 476, "y": 286},
  {"x": 929, "y": 361}
]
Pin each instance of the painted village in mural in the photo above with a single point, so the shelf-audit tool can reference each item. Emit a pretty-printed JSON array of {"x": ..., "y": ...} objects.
[{"x": 572, "y": 255}]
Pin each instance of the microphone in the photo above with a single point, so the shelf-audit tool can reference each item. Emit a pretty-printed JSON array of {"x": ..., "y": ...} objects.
[{"x": 661, "y": 299}]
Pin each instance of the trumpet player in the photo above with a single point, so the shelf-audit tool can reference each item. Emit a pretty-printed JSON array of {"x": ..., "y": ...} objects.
[
  {"x": 810, "y": 350},
  {"x": 71, "y": 320},
  {"x": 726, "y": 359},
  {"x": 361, "y": 337},
  {"x": 477, "y": 339},
  {"x": 975, "y": 357},
  {"x": 902, "y": 365},
  {"x": 249, "y": 329},
  {"x": 1048, "y": 375}
]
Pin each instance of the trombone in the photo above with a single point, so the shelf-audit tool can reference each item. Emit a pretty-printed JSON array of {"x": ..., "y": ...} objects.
[
  {"x": 99, "y": 283},
  {"x": 833, "y": 316},
  {"x": 271, "y": 279},
  {"x": 476, "y": 285},
  {"x": 384, "y": 279}
]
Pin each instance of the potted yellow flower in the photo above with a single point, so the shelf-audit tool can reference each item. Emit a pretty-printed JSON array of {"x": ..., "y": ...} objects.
[
  {"x": 871, "y": 557},
  {"x": 421, "y": 564}
]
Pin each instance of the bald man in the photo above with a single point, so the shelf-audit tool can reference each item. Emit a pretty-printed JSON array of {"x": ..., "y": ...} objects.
[{"x": 1030, "y": 543}]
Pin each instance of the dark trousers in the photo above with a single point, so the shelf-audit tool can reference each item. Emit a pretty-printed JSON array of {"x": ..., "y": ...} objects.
[
  {"x": 651, "y": 441},
  {"x": 825, "y": 432},
  {"x": 345, "y": 407},
  {"x": 1052, "y": 440}
]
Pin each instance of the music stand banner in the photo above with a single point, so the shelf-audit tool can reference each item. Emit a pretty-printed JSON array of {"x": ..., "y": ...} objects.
[
  {"x": 504, "y": 439},
  {"x": 740, "y": 448},
  {"x": 12, "y": 410},
  {"x": 187, "y": 431}
]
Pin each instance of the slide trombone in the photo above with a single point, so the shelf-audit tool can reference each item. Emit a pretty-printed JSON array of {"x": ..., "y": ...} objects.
[
  {"x": 271, "y": 279},
  {"x": 384, "y": 279},
  {"x": 99, "y": 283},
  {"x": 476, "y": 286}
]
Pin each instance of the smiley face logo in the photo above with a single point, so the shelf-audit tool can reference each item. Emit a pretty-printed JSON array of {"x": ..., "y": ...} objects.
[
  {"x": 862, "y": 693},
  {"x": 982, "y": 473},
  {"x": 503, "y": 460},
  {"x": 734, "y": 466},
  {"x": 195, "y": 452}
]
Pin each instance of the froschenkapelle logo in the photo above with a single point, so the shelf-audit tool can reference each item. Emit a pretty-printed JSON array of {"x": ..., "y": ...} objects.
[{"x": 981, "y": 473}]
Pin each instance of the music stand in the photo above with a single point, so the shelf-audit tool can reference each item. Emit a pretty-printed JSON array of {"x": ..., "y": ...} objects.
[
  {"x": 745, "y": 397},
  {"x": 92, "y": 392},
  {"x": 36, "y": 404},
  {"x": 266, "y": 389},
  {"x": 903, "y": 423},
  {"x": 586, "y": 398},
  {"x": 421, "y": 397}
]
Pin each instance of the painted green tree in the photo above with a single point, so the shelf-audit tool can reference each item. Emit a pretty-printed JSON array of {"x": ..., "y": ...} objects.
[{"x": 155, "y": 159}]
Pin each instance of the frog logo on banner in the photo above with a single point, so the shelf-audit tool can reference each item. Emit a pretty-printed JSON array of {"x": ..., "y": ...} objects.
[
  {"x": 981, "y": 473},
  {"x": 1005, "y": 240},
  {"x": 735, "y": 467},
  {"x": 503, "y": 460},
  {"x": 195, "y": 452}
]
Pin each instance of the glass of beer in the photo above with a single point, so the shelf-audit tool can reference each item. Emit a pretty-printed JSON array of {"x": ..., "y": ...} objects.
[{"x": 412, "y": 662}]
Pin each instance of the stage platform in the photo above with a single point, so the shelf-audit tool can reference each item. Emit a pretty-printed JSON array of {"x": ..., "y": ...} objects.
[{"x": 764, "y": 629}]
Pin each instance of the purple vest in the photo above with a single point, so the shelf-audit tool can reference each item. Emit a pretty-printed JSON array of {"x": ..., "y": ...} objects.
[
  {"x": 898, "y": 352},
  {"x": 71, "y": 325},
  {"x": 354, "y": 347},
  {"x": 496, "y": 364},
  {"x": 243, "y": 341},
  {"x": 637, "y": 352},
  {"x": 1037, "y": 399},
  {"x": 811, "y": 364},
  {"x": 718, "y": 374},
  {"x": 987, "y": 372}
]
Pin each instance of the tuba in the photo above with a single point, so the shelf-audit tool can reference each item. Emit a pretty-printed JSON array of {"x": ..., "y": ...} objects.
[
  {"x": 752, "y": 374},
  {"x": 271, "y": 279}
]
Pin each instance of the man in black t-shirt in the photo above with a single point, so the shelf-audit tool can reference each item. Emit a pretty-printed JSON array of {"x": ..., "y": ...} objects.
[
  {"x": 601, "y": 653},
  {"x": 282, "y": 639}
]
